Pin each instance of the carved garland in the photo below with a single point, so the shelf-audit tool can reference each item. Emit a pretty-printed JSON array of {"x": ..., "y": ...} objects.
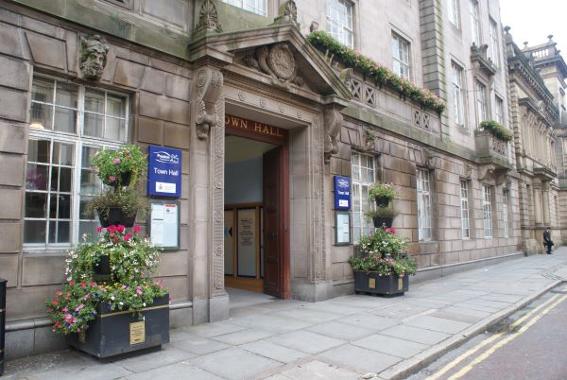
[{"x": 278, "y": 62}]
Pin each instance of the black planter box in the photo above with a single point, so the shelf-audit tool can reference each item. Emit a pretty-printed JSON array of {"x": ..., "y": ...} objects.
[
  {"x": 371, "y": 283},
  {"x": 121, "y": 332}
]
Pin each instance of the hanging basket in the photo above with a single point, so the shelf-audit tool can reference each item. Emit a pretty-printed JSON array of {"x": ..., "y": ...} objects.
[
  {"x": 380, "y": 222},
  {"x": 102, "y": 270},
  {"x": 115, "y": 216},
  {"x": 382, "y": 201}
]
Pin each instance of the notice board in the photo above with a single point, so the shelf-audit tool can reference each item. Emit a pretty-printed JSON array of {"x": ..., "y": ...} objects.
[{"x": 164, "y": 224}]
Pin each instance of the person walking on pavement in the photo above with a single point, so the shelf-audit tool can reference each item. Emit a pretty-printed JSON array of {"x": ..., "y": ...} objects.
[{"x": 547, "y": 242}]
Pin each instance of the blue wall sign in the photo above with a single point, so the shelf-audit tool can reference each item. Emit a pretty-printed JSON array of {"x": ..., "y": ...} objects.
[
  {"x": 341, "y": 186},
  {"x": 164, "y": 172}
]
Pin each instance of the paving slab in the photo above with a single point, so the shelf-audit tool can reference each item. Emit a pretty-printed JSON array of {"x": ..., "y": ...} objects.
[
  {"x": 359, "y": 359},
  {"x": 306, "y": 341},
  {"x": 198, "y": 345},
  {"x": 339, "y": 330},
  {"x": 235, "y": 363},
  {"x": 244, "y": 336},
  {"x": 437, "y": 324},
  {"x": 167, "y": 355},
  {"x": 415, "y": 334},
  {"x": 308, "y": 315},
  {"x": 214, "y": 329},
  {"x": 315, "y": 369},
  {"x": 390, "y": 345},
  {"x": 271, "y": 322},
  {"x": 369, "y": 321},
  {"x": 274, "y": 351},
  {"x": 181, "y": 371}
]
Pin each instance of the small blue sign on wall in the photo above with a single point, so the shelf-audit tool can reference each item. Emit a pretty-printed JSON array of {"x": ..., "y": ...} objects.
[
  {"x": 341, "y": 187},
  {"x": 164, "y": 172}
]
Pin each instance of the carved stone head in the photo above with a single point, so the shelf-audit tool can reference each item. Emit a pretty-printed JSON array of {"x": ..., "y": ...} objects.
[{"x": 93, "y": 56}]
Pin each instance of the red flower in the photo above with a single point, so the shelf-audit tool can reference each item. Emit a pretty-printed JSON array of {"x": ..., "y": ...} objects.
[
  {"x": 72, "y": 283},
  {"x": 83, "y": 284},
  {"x": 120, "y": 228},
  {"x": 99, "y": 229},
  {"x": 391, "y": 230},
  {"x": 54, "y": 302},
  {"x": 137, "y": 229},
  {"x": 111, "y": 229},
  {"x": 127, "y": 237}
]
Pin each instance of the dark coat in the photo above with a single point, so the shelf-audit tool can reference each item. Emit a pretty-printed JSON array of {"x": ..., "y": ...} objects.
[{"x": 547, "y": 238}]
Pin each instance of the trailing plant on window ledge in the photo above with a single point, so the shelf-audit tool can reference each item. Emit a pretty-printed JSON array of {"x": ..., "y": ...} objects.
[
  {"x": 382, "y": 76},
  {"x": 497, "y": 130}
]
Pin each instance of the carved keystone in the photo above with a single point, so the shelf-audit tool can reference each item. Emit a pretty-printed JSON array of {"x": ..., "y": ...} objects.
[{"x": 93, "y": 56}]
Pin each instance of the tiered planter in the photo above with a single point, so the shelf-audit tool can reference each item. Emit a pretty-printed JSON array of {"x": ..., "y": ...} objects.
[
  {"x": 369, "y": 283},
  {"x": 115, "y": 216},
  {"x": 121, "y": 332},
  {"x": 382, "y": 222}
]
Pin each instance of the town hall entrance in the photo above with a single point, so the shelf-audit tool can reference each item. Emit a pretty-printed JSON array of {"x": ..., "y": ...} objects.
[{"x": 256, "y": 233}]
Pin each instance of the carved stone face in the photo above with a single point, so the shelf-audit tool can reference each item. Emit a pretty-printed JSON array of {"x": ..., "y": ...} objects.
[{"x": 93, "y": 56}]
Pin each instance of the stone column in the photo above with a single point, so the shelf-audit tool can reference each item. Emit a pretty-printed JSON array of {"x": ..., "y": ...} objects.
[
  {"x": 206, "y": 196},
  {"x": 538, "y": 206},
  {"x": 546, "y": 210}
]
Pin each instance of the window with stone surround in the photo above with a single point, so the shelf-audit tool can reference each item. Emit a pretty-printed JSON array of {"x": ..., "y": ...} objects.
[
  {"x": 487, "y": 211},
  {"x": 465, "y": 210},
  {"x": 255, "y": 6},
  {"x": 474, "y": 12},
  {"x": 481, "y": 102},
  {"x": 505, "y": 213},
  {"x": 458, "y": 92},
  {"x": 69, "y": 124},
  {"x": 122, "y": 3},
  {"x": 499, "y": 111},
  {"x": 340, "y": 23},
  {"x": 494, "y": 43},
  {"x": 363, "y": 171},
  {"x": 424, "y": 204},
  {"x": 401, "y": 53},
  {"x": 453, "y": 12}
]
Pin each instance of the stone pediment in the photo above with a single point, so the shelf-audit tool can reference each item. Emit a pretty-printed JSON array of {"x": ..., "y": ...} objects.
[{"x": 280, "y": 53}]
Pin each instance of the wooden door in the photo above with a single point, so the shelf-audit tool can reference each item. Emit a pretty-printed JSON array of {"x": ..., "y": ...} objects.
[{"x": 276, "y": 232}]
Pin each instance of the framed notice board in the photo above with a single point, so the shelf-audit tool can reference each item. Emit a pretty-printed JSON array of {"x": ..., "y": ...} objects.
[{"x": 164, "y": 224}]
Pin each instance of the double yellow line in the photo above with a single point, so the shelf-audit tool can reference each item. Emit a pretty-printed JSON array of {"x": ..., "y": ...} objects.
[{"x": 498, "y": 339}]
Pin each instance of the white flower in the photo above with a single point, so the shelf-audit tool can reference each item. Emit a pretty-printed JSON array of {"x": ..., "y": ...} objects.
[{"x": 112, "y": 298}]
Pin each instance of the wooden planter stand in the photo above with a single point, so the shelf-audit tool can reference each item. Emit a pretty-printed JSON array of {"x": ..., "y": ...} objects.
[
  {"x": 369, "y": 283},
  {"x": 119, "y": 332}
]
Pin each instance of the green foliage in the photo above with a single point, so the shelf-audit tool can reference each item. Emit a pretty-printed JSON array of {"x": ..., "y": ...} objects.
[
  {"x": 128, "y": 200},
  {"x": 497, "y": 130},
  {"x": 378, "y": 73},
  {"x": 382, "y": 253},
  {"x": 382, "y": 190},
  {"x": 132, "y": 259},
  {"x": 112, "y": 165},
  {"x": 381, "y": 212}
]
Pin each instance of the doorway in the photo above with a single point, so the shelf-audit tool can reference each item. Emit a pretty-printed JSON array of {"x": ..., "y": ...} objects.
[{"x": 256, "y": 253}]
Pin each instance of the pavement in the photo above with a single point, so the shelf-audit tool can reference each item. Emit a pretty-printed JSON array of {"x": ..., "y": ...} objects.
[{"x": 350, "y": 337}]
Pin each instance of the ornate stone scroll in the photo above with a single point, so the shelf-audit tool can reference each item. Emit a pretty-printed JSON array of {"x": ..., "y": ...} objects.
[
  {"x": 93, "y": 56},
  {"x": 208, "y": 18},
  {"x": 278, "y": 62},
  {"x": 207, "y": 89},
  {"x": 333, "y": 124}
]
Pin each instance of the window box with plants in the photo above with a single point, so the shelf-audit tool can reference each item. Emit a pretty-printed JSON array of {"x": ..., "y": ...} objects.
[{"x": 380, "y": 267}]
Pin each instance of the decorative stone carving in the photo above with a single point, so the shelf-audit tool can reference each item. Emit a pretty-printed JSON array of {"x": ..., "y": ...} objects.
[
  {"x": 333, "y": 124},
  {"x": 278, "y": 62},
  {"x": 432, "y": 161},
  {"x": 421, "y": 119},
  {"x": 208, "y": 84},
  {"x": 287, "y": 13},
  {"x": 94, "y": 50},
  {"x": 208, "y": 18},
  {"x": 467, "y": 172}
]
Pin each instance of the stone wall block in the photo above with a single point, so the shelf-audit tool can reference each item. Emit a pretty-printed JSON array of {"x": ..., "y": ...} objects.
[
  {"x": 150, "y": 131},
  {"x": 13, "y": 104},
  {"x": 16, "y": 74},
  {"x": 12, "y": 138},
  {"x": 175, "y": 12},
  {"x": 160, "y": 107},
  {"x": 178, "y": 87},
  {"x": 128, "y": 73},
  {"x": 73, "y": 45},
  {"x": 11, "y": 41},
  {"x": 28, "y": 302},
  {"x": 173, "y": 264},
  {"x": 11, "y": 204},
  {"x": 47, "y": 51},
  {"x": 9, "y": 269},
  {"x": 154, "y": 81},
  {"x": 11, "y": 170},
  {"x": 43, "y": 270},
  {"x": 176, "y": 136},
  {"x": 11, "y": 241}
]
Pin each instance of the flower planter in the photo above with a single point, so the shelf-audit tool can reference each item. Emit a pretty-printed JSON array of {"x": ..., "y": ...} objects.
[
  {"x": 102, "y": 270},
  {"x": 381, "y": 222},
  {"x": 382, "y": 201},
  {"x": 119, "y": 332},
  {"x": 116, "y": 216},
  {"x": 371, "y": 283},
  {"x": 125, "y": 179}
]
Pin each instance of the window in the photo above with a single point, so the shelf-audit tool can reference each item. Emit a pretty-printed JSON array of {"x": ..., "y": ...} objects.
[
  {"x": 69, "y": 123},
  {"x": 401, "y": 56},
  {"x": 454, "y": 12},
  {"x": 255, "y": 6},
  {"x": 499, "y": 110},
  {"x": 475, "y": 22},
  {"x": 494, "y": 43},
  {"x": 423, "y": 204},
  {"x": 458, "y": 94},
  {"x": 487, "y": 211},
  {"x": 363, "y": 176},
  {"x": 339, "y": 21},
  {"x": 465, "y": 213},
  {"x": 505, "y": 211},
  {"x": 122, "y": 3},
  {"x": 481, "y": 105}
]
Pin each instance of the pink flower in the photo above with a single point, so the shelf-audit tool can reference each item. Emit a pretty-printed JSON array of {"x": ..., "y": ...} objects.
[
  {"x": 116, "y": 161},
  {"x": 111, "y": 229},
  {"x": 111, "y": 178},
  {"x": 69, "y": 318},
  {"x": 99, "y": 229},
  {"x": 137, "y": 229},
  {"x": 78, "y": 308},
  {"x": 120, "y": 228},
  {"x": 127, "y": 237},
  {"x": 139, "y": 291},
  {"x": 391, "y": 230}
]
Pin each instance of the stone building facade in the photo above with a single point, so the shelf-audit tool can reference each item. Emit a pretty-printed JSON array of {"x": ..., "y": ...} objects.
[{"x": 219, "y": 81}]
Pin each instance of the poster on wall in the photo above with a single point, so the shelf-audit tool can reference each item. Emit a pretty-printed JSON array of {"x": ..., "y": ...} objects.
[
  {"x": 164, "y": 224},
  {"x": 164, "y": 172},
  {"x": 341, "y": 187},
  {"x": 342, "y": 220},
  {"x": 229, "y": 231},
  {"x": 247, "y": 242}
]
